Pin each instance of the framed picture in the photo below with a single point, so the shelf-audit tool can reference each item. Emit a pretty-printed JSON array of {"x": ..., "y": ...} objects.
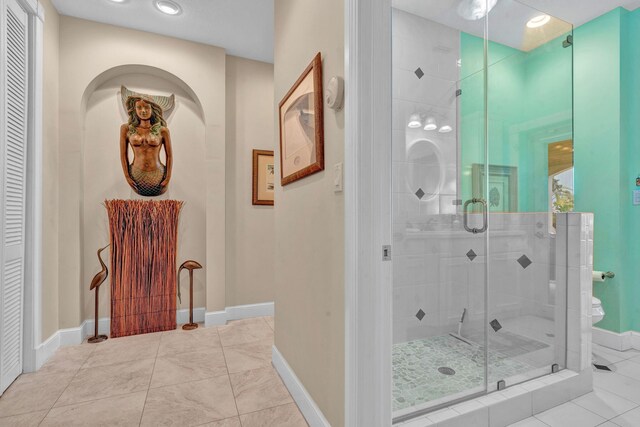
[
  {"x": 503, "y": 187},
  {"x": 302, "y": 126},
  {"x": 263, "y": 177}
]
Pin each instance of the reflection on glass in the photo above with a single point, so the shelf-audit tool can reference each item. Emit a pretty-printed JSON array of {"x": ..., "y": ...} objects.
[{"x": 477, "y": 110}]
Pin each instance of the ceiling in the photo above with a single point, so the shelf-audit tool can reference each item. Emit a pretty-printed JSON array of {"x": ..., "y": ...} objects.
[
  {"x": 245, "y": 27},
  {"x": 577, "y": 12},
  {"x": 242, "y": 27},
  {"x": 508, "y": 18}
]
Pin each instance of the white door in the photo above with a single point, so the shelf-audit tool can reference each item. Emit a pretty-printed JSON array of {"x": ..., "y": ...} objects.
[{"x": 13, "y": 146}]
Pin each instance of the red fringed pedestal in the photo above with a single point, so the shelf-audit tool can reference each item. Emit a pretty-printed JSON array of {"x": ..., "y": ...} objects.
[{"x": 144, "y": 240}]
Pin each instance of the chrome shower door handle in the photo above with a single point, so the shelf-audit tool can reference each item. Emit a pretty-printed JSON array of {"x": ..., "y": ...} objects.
[{"x": 485, "y": 221}]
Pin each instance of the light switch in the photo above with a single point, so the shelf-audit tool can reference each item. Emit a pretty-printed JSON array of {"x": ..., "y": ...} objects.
[
  {"x": 636, "y": 197},
  {"x": 337, "y": 178}
]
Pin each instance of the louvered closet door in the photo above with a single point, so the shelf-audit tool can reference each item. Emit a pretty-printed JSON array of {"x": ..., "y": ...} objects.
[{"x": 13, "y": 39}]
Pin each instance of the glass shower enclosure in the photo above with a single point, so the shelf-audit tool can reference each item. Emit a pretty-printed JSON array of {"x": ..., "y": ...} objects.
[{"x": 482, "y": 158}]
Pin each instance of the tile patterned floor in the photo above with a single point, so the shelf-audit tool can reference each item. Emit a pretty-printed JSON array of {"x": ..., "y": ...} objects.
[
  {"x": 614, "y": 402},
  {"x": 416, "y": 375},
  {"x": 215, "y": 377}
]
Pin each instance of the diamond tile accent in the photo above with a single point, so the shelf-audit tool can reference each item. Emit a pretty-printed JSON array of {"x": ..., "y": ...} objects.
[
  {"x": 419, "y": 73},
  {"x": 524, "y": 261},
  {"x": 420, "y": 193},
  {"x": 471, "y": 255},
  {"x": 495, "y": 325},
  {"x": 602, "y": 367},
  {"x": 420, "y": 315}
]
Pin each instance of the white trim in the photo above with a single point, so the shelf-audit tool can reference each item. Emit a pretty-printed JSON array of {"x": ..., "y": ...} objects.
[
  {"x": 33, "y": 249},
  {"x": 199, "y": 315},
  {"x": 303, "y": 399},
  {"x": 104, "y": 326},
  {"x": 618, "y": 341},
  {"x": 71, "y": 336},
  {"x": 216, "y": 318},
  {"x": 60, "y": 338},
  {"x": 514, "y": 403},
  {"x": 368, "y": 286},
  {"x": 29, "y": 6},
  {"x": 45, "y": 350},
  {"x": 635, "y": 340},
  {"x": 182, "y": 316},
  {"x": 40, "y": 13},
  {"x": 250, "y": 310}
]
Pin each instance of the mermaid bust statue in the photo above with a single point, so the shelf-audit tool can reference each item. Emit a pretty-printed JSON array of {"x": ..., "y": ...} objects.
[{"x": 146, "y": 132}]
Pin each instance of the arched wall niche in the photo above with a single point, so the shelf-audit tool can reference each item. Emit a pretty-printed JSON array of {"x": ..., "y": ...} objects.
[
  {"x": 141, "y": 69},
  {"x": 102, "y": 176},
  {"x": 90, "y": 55}
]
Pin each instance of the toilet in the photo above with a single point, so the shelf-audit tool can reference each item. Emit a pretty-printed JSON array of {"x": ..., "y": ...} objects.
[{"x": 597, "y": 312}]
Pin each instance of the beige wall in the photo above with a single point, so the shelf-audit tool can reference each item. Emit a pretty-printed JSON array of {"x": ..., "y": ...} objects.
[
  {"x": 92, "y": 58},
  {"x": 50, "y": 172},
  {"x": 250, "y": 229},
  {"x": 309, "y": 217}
]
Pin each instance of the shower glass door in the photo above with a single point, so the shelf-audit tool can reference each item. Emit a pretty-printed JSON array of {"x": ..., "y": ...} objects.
[
  {"x": 439, "y": 262},
  {"x": 480, "y": 102},
  {"x": 530, "y": 135}
]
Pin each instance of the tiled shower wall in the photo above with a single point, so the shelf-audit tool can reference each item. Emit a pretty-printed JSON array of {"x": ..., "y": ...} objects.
[
  {"x": 425, "y": 75},
  {"x": 441, "y": 270},
  {"x": 575, "y": 267}
]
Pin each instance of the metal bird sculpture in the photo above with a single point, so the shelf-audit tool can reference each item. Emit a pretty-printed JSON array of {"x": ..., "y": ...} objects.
[
  {"x": 98, "y": 279},
  {"x": 189, "y": 265}
]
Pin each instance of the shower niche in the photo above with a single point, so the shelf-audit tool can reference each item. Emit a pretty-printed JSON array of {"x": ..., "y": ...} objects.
[{"x": 479, "y": 287}]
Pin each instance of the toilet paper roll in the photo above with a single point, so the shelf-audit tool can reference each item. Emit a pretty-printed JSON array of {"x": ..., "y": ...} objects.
[{"x": 598, "y": 276}]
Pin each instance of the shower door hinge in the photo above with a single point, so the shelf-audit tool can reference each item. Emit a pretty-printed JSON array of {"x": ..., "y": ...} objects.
[
  {"x": 555, "y": 368},
  {"x": 502, "y": 385},
  {"x": 568, "y": 41},
  {"x": 386, "y": 253}
]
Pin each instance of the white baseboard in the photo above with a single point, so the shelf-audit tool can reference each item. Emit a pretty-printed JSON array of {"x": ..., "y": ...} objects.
[
  {"x": 618, "y": 341},
  {"x": 75, "y": 336},
  {"x": 71, "y": 336},
  {"x": 104, "y": 327},
  {"x": 215, "y": 318},
  {"x": 251, "y": 310},
  {"x": 182, "y": 316},
  {"x": 45, "y": 350},
  {"x": 308, "y": 407},
  {"x": 635, "y": 340},
  {"x": 104, "y": 324}
]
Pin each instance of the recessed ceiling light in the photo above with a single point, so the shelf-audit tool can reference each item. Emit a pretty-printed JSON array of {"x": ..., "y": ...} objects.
[
  {"x": 117, "y": 1},
  {"x": 168, "y": 7},
  {"x": 538, "y": 21},
  {"x": 445, "y": 129}
]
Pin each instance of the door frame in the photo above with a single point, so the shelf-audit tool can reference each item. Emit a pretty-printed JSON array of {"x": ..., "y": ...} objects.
[
  {"x": 368, "y": 221},
  {"x": 32, "y": 315}
]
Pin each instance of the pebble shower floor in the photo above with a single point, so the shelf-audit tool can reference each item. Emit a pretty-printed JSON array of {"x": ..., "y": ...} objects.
[{"x": 417, "y": 380}]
